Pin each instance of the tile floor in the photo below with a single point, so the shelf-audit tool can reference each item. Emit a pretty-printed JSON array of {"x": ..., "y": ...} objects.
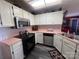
[{"x": 40, "y": 52}]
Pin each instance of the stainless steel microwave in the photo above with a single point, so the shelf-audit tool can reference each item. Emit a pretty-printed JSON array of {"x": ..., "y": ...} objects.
[{"x": 21, "y": 22}]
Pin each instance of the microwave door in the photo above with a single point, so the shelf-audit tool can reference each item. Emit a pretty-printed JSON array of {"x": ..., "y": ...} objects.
[{"x": 23, "y": 23}]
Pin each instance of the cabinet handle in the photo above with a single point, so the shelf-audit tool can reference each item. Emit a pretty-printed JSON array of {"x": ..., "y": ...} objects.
[
  {"x": 0, "y": 19},
  {"x": 12, "y": 52}
]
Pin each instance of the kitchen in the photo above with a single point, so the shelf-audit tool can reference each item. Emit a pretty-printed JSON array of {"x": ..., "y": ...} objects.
[{"x": 39, "y": 29}]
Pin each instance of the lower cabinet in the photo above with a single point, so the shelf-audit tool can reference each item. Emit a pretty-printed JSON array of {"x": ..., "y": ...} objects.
[
  {"x": 17, "y": 50},
  {"x": 77, "y": 53},
  {"x": 39, "y": 37},
  {"x": 58, "y": 42},
  {"x": 13, "y": 51},
  {"x": 66, "y": 47},
  {"x": 68, "y": 51}
]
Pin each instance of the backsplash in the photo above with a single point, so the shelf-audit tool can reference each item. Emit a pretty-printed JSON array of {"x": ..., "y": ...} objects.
[
  {"x": 50, "y": 27},
  {"x": 6, "y": 33}
]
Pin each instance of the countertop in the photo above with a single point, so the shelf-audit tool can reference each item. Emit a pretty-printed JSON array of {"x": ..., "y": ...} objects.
[
  {"x": 53, "y": 31},
  {"x": 11, "y": 41},
  {"x": 72, "y": 40}
]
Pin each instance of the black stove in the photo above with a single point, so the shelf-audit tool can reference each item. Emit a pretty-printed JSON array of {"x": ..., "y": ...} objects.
[{"x": 28, "y": 41}]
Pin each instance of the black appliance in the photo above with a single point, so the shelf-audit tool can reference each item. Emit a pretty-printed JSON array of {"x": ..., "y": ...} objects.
[
  {"x": 48, "y": 39},
  {"x": 28, "y": 40},
  {"x": 21, "y": 22}
]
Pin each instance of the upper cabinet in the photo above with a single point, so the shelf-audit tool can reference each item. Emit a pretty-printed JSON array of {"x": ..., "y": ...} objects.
[
  {"x": 49, "y": 18},
  {"x": 58, "y": 17},
  {"x": 25, "y": 14},
  {"x": 18, "y": 12},
  {"x": 43, "y": 19},
  {"x": 6, "y": 15},
  {"x": 40, "y": 19},
  {"x": 31, "y": 18},
  {"x": 37, "y": 20}
]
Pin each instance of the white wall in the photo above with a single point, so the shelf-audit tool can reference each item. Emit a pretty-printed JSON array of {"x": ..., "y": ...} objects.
[
  {"x": 6, "y": 33},
  {"x": 72, "y": 6}
]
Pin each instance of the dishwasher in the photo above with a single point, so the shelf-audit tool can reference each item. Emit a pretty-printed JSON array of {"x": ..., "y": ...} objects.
[{"x": 48, "y": 39}]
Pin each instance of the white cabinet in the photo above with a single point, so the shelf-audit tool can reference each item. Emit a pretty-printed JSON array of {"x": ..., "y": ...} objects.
[
  {"x": 40, "y": 19},
  {"x": 12, "y": 51},
  {"x": 58, "y": 40},
  {"x": 43, "y": 19},
  {"x": 18, "y": 50},
  {"x": 37, "y": 20},
  {"x": 31, "y": 18},
  {"x": 49, "y": 18},
  {"x": 68, "y": 50},
  {"x": 18, "y": 12},
  {"x": 38, "y": 37},
  {"x": 57, "y": 17},
  {"x": 6, "y": 14},
  {"x": 25, "y": 14},
  {"x": 77, "y": 53}
]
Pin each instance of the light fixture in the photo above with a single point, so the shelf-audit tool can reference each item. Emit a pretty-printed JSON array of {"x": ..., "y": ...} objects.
[
  {"x": 37, "y": 4},
  {"x": 53, "y": 2}
]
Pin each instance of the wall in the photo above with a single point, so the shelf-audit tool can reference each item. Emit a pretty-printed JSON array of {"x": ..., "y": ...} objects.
[
  {"x": 6, "y": 33},
  {"x": 72, "y": 6}
]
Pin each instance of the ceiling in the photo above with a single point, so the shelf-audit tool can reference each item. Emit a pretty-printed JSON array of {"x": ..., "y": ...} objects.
[{"x": 66, "y": 5}]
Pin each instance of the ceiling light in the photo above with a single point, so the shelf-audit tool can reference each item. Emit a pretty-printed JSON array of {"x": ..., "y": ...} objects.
[
  {"x": 37, "y": 4},
  {"x": 53, "y": 2}
]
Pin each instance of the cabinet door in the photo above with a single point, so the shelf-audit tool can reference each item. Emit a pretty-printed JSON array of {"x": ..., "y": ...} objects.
[
  {"x": 31, "y": 18},
  {"x": 50, "y": 19},
  {"x": 39, "y": 37},
  {"x": 42, "y": 19},
  {"x": 57, "y": 17},
  {"x": 25, "y": 14},
  {"x": 58, "y": 42},
  {"x": 6, "y": 13},
  {"x": 77, "y": 53},
  {"x": 17, "y": 12},
  {"x": 68, "y": 51},
  {"x": 18, "y": 50},
  {"x": 37, "y": 19}
]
